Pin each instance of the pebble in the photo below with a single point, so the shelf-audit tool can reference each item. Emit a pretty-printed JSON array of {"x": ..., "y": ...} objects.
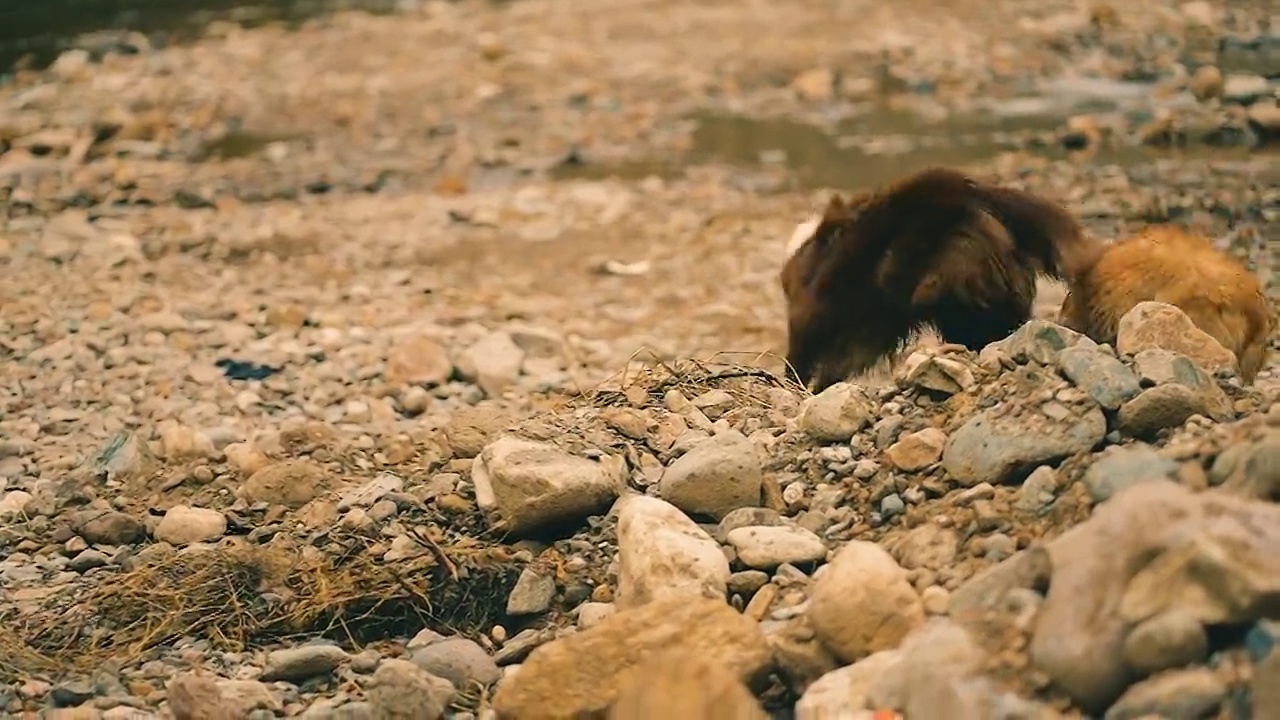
[
  {"x": 916, "y": 451},
  {"x": 1037, "y": 492},
  {"x": 1123, "y": 467},
  {"x": 1107, "y": 380},
  {"x": 935, "y": 600},
  {"x": 458, "y": 660},
  {"x": 766, "y": 547},
  {"x": 1040, "y": 342},
  {"x": 1154, "y": 325},
  {"x": 997, "y": 444},
  {"x": 292, "y": 483},
  {"x": 529, "y": 485},
  {"x": 493, "y": 363},
  {"x": 836, "y": 413},
  {"x": 184, "y": 525},
  {"x": 401, "y": 689},
  {"x": 746, "y": 582},
  {"x": 892, "y": 506},
  {"x": 583, "y": 672},
  {"x": 302, "y": 662},
  {"x": 108, "y": 527},
  {"x": 532, "y": 594}
]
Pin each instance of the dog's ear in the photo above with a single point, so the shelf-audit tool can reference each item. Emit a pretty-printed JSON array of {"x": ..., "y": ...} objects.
[
  {"x": 801, "y": 234},
  {"x": 837, "y": 209}
]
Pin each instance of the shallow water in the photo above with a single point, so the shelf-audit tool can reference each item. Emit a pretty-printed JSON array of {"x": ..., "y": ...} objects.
[
  {"x": 870, "y": 150},
  {"x": 33, "y": 33}
]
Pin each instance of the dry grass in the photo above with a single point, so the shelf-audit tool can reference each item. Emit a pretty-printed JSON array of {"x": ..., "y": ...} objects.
[
  {"x": 244, "y": 595},
  {"x": 645, "y": 382}
]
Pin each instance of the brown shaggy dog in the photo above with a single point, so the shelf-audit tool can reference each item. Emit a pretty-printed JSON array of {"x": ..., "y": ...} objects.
[
  {"x": 1165, "y": 263},
  {"x": 937, "y": 248}
]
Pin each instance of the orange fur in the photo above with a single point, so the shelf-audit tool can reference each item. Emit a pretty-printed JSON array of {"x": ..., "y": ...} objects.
[
  {"x": 1165, "y": 263},
  {"x": 937, "y": 248}
]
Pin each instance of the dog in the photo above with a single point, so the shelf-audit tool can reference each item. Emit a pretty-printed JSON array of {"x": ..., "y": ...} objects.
[
  {"x": 938, "y": 248},
  {"x": 1168, "y": 264}
]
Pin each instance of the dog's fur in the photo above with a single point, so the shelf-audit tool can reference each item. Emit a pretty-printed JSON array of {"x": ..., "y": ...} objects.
[
  {"x": 937, "y": 248},
  {"x": 1165, "y": 263}
]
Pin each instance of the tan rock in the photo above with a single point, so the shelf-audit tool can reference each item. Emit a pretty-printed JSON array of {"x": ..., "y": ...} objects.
[
  {"x": 584, "y": 673},
  {"x": 197, "y": 697},
  {"x": 1160, "y": 325},
  {"x": 526, "y": 486},
  {"x": 180, "y": 442},
  {"x": 935, "y": 675},
  {"x": 292, "y": 483},
  {"x": 836, "y": 413},
  {"x": 718, "y": 475},
  {"x": 1206, "y": 83},
  {"x": 662, "y": 553},
  {"x": 418, "y": 360},
  {"x": 843, "y": 691},
  {"x": 817, "y": 85},
  {"x": 245, "y": 459},
  {"x": 928, "y": 546},
  {"x": 682, "y": 686},
  {"x": 939, "y": 374},
  {"x": 862, "y": 603},
  {"x": 400, "y": 690},
  {"x": 184, "y": 525},
  {"x": 918, "y": 450}
]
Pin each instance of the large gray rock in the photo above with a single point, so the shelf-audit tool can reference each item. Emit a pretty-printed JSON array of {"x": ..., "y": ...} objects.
[
  {"x": 1107, "y": 380},
  {"x": 716, "y": 476},
  {"x": 1118, "y": 468},
  {"x": 1040, "y": 341},
  {"x": 1008, "y": 440},
  {"x": 459, "y": 660},
  {"x": 1153, "y": 549}
]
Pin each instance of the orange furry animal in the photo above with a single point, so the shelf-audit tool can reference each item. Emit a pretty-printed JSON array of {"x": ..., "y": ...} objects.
[
  {"x": 937, "y": 248},
  {"x": 1167, "y": 264}
]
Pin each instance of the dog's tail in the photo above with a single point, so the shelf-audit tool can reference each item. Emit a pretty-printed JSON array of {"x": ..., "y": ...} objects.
[{"x": 1042, "y": 229}]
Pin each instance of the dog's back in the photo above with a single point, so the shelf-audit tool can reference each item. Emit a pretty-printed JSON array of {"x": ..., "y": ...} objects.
[
  {"x": 935, "y": 248},
  {"x": 1166, "y": 264}
]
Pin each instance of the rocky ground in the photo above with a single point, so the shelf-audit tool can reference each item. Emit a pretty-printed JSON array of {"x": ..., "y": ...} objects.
[{"x": 426, "y": 364}]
